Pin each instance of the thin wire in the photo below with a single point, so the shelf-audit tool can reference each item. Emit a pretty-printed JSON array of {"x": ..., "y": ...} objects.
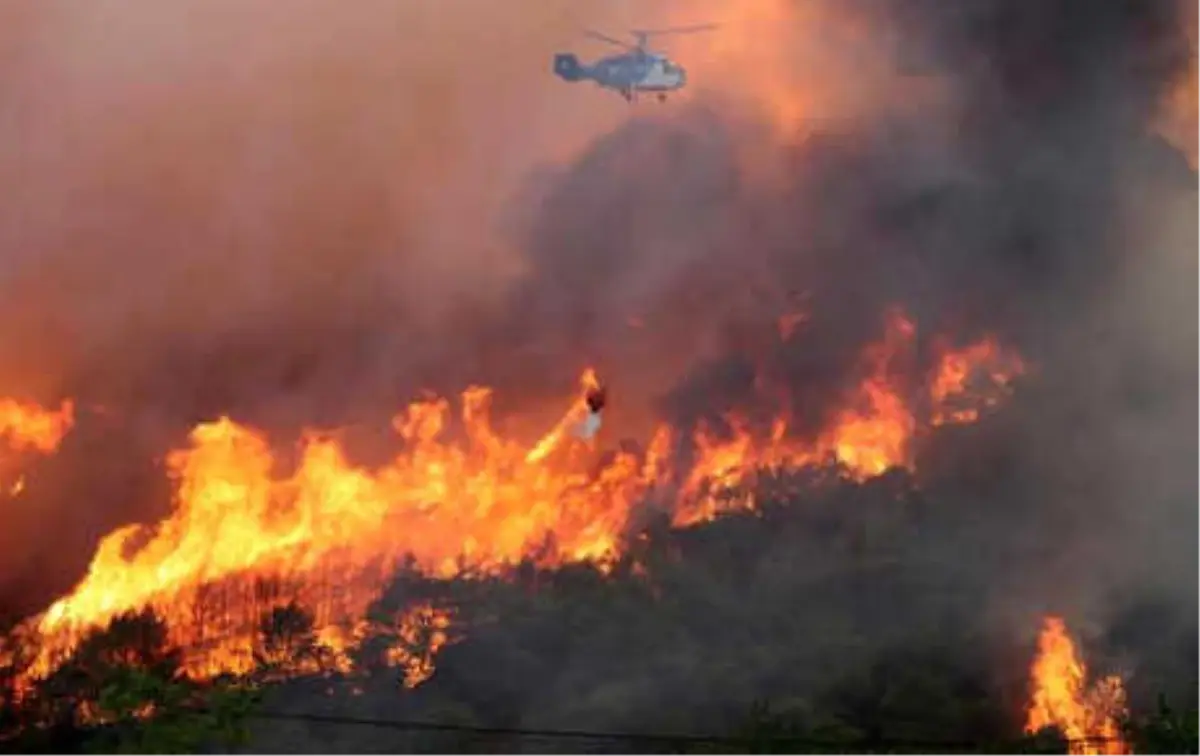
[{"x": 636, "y": 737}]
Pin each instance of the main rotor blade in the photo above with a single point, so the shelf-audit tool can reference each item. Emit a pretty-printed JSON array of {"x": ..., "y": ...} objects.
[
  {"x": 673, "y": 30},
  {"x": 608, "y": 39}
]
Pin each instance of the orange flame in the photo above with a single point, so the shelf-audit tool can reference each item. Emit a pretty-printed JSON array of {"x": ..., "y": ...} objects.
[
  {"x": 422, "y": 631},
  {"x": 1087, "y": 717},
  {"x": 26, "y": 426},
  {"x": 870, "y": 435},
  {"x": 246, "y": 538},
  {"x": 980, "y": 374}
]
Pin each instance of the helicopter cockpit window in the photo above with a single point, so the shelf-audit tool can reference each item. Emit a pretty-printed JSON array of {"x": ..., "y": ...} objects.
[{"x": 669, "y": 67}]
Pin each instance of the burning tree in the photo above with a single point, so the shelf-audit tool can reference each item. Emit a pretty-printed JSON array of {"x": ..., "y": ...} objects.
[{"x": 123, "y": 688}]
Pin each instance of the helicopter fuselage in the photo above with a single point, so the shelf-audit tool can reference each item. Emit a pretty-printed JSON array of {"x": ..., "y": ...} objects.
[
  {"x": 629, "y": 73},
  {"x": 647, "y": 72}
]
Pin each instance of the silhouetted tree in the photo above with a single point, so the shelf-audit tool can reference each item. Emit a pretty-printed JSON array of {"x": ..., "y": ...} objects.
[
  {"x": 287, "y": 640},
  {"x": 122, "y": 690}
]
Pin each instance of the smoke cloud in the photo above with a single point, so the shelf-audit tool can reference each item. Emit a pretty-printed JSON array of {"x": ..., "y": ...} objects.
[
  {"x": 246, "y": 208},
  {"x": 302, "y": 213}
]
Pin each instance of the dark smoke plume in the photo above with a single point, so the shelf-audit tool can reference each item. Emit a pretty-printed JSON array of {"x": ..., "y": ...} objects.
[{"x": 1037, "y": 205}]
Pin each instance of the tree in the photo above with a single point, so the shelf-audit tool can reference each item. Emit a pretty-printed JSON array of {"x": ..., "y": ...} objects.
[
  {"x": 1165, "y": 731},
  {"x": 123, "y": 690},
  {"x": 287, "y": 641},
  {"x": 145, "y": 713}
]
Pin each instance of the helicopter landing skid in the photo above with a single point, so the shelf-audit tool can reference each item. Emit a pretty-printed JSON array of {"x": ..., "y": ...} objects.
[{"x": 631, "y": 95}]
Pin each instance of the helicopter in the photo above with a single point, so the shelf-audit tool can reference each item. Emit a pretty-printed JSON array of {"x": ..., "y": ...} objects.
[{"x": 633, "y": 72}]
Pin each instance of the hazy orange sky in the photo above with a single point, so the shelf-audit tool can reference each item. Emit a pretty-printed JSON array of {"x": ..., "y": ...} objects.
[{"x": 195, "y": 164}]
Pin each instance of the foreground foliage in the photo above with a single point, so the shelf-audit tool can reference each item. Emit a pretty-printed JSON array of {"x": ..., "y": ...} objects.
[
  {"x": 122, "y": 691},
  {"x": 843, "y": 613}
]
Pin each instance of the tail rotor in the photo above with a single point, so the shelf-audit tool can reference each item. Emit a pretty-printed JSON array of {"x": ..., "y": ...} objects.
[{"x": 567, "y": 67}]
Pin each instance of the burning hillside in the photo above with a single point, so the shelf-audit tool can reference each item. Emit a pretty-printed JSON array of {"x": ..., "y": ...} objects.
[
  {"x": 460, "y": 499},
  {"x": 881, "y": 333}
]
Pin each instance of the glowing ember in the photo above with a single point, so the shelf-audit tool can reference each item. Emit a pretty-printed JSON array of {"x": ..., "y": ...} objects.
[
  {"x": 421, "y": 632},
  {"x": 25, "y": 426},
  {"x": 1087, "y": 716},
  {"x": 246, "y": 541},
  {"x": 979, "y": 375}
]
